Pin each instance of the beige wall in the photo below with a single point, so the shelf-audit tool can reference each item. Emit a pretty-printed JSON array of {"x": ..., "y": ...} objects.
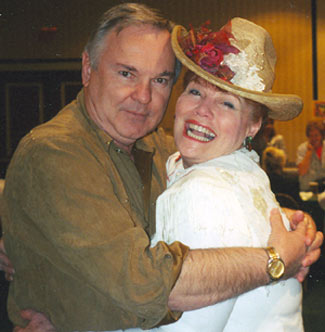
[
  {"x": 321, "y": 48},
  {"x": 289, "y": 23}
]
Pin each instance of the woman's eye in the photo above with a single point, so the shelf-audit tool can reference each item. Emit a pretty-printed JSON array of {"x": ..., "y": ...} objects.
[
  {"x": 195, "y": 92},
  {"x": 229, "y": 104}
]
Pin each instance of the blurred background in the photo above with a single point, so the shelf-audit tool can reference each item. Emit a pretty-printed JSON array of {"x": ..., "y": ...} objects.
[{"x": 41, "y": 42}]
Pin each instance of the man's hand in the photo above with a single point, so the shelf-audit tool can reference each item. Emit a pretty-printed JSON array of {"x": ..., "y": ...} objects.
[
  {"x": 38, "y": 322},
  {"x": 5, "y": 264},
  {"x": 313, "y": 239},
  {"x": 289, "y": 244}
]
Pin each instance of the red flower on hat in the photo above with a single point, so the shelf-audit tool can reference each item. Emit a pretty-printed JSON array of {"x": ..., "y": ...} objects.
[{"x": 207, "y": 49}]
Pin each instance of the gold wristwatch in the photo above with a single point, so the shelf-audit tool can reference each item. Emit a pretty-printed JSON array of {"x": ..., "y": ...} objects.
[{"x": 275, "y": 265}]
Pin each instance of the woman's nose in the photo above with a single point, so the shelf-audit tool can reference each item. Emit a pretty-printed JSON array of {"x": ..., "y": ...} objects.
[{"x": 203, "y": 109}]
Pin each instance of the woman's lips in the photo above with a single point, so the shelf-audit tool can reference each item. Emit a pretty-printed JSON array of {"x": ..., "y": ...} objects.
[{"x": 194, "y": 130}]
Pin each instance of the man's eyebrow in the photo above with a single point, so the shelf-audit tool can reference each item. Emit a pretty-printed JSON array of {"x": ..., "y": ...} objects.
[
  {"x": 167, "y": 73},
  {"x": 133, "y": 69},
  {"x": 127, "y": 67}
]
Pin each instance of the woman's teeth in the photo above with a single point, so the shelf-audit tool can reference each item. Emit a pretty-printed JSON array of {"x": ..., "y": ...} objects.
[{"x": 199, "y": 133}]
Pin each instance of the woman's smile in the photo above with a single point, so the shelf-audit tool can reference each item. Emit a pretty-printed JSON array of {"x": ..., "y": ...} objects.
[{"x": 194, "y": 130}]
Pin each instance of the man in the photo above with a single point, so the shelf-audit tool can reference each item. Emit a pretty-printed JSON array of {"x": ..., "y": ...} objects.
[{"x": 80, "y": 194}]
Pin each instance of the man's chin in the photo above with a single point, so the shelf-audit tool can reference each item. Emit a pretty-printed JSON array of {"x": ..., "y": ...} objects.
[
  {"x": 130, "y": 138},
  {"x": 138, "y": 133}
]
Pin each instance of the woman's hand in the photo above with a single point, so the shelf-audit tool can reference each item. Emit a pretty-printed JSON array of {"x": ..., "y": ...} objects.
[{"x": 313, "y": 239}]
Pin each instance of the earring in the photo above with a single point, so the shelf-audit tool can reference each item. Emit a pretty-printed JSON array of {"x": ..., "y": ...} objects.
[{"x": 248, "y": 143}]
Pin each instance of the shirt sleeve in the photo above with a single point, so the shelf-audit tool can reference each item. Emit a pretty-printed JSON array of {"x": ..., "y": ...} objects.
[{"x": 64, "y": 198}]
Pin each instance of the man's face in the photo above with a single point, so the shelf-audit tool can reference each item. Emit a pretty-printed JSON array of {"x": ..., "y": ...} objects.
[{"x": 128, "y": 93}]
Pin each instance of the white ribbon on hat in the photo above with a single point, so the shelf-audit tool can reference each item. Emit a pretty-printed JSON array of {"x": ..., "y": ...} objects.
[{"x": 246, "y": 74}]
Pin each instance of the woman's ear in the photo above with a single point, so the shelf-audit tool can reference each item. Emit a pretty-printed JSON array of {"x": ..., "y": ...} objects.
[
  {"x": 254, "y": 127},
  {"x": 86, "y": 69}
]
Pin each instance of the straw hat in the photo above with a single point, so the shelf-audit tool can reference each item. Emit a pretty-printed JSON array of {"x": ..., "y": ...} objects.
[{"x": 239, "y": 58}]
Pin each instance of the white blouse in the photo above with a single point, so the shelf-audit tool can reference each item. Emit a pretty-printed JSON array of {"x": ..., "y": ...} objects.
[{"x": 226, "y": 202}]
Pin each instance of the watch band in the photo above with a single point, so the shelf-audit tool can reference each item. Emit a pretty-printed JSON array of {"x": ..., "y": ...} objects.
[{"x": 272, "y": 253}]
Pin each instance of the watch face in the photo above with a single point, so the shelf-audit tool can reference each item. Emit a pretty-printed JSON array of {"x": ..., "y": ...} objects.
[{"x": 276, "y": 269}]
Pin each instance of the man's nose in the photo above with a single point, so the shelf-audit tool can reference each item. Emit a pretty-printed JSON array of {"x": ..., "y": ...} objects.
[{"x": 142, "y": 92}]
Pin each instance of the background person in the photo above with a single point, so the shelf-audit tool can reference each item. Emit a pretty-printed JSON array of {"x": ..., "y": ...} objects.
[
  {"x": 311, "y": 157},
  {"x": 267, "y": 137},
  {"x": 285, "y": 186},
  {"x": 271, "y": 137},
  {"x": 78, "y": 233}
]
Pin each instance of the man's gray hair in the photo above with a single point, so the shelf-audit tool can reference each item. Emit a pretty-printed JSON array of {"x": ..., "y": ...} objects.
[{"x": 121, "y": 17}]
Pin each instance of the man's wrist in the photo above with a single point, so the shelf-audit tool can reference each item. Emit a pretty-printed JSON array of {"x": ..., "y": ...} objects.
[{"x": 275, "y": 267}]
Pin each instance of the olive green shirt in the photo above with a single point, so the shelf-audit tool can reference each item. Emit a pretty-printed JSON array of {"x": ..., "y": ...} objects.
[{"x": 78, "y": 215}]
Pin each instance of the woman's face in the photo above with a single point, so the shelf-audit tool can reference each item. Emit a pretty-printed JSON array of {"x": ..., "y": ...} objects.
[
  {"x": 210, "y": 122},
  {"x": 315, "y": 138}
]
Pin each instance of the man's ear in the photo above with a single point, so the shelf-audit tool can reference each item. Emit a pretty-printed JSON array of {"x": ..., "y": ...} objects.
[{"x": 86, "y": 69}]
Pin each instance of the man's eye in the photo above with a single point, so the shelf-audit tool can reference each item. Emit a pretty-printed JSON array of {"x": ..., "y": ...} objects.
[
  {"x": 229, "y": 104},
  {"x": 161, "y": 80},
  {"x": 195, "y": 92},
  {"x": 125, "y": 73}
]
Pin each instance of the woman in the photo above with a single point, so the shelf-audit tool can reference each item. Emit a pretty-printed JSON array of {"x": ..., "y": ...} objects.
[
  {"x": 311, "y": 156},
  {"x": 227, "y": 95}
]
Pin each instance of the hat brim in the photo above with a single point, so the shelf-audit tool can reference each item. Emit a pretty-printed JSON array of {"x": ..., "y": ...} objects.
[{"x": 282, "y": 107}]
